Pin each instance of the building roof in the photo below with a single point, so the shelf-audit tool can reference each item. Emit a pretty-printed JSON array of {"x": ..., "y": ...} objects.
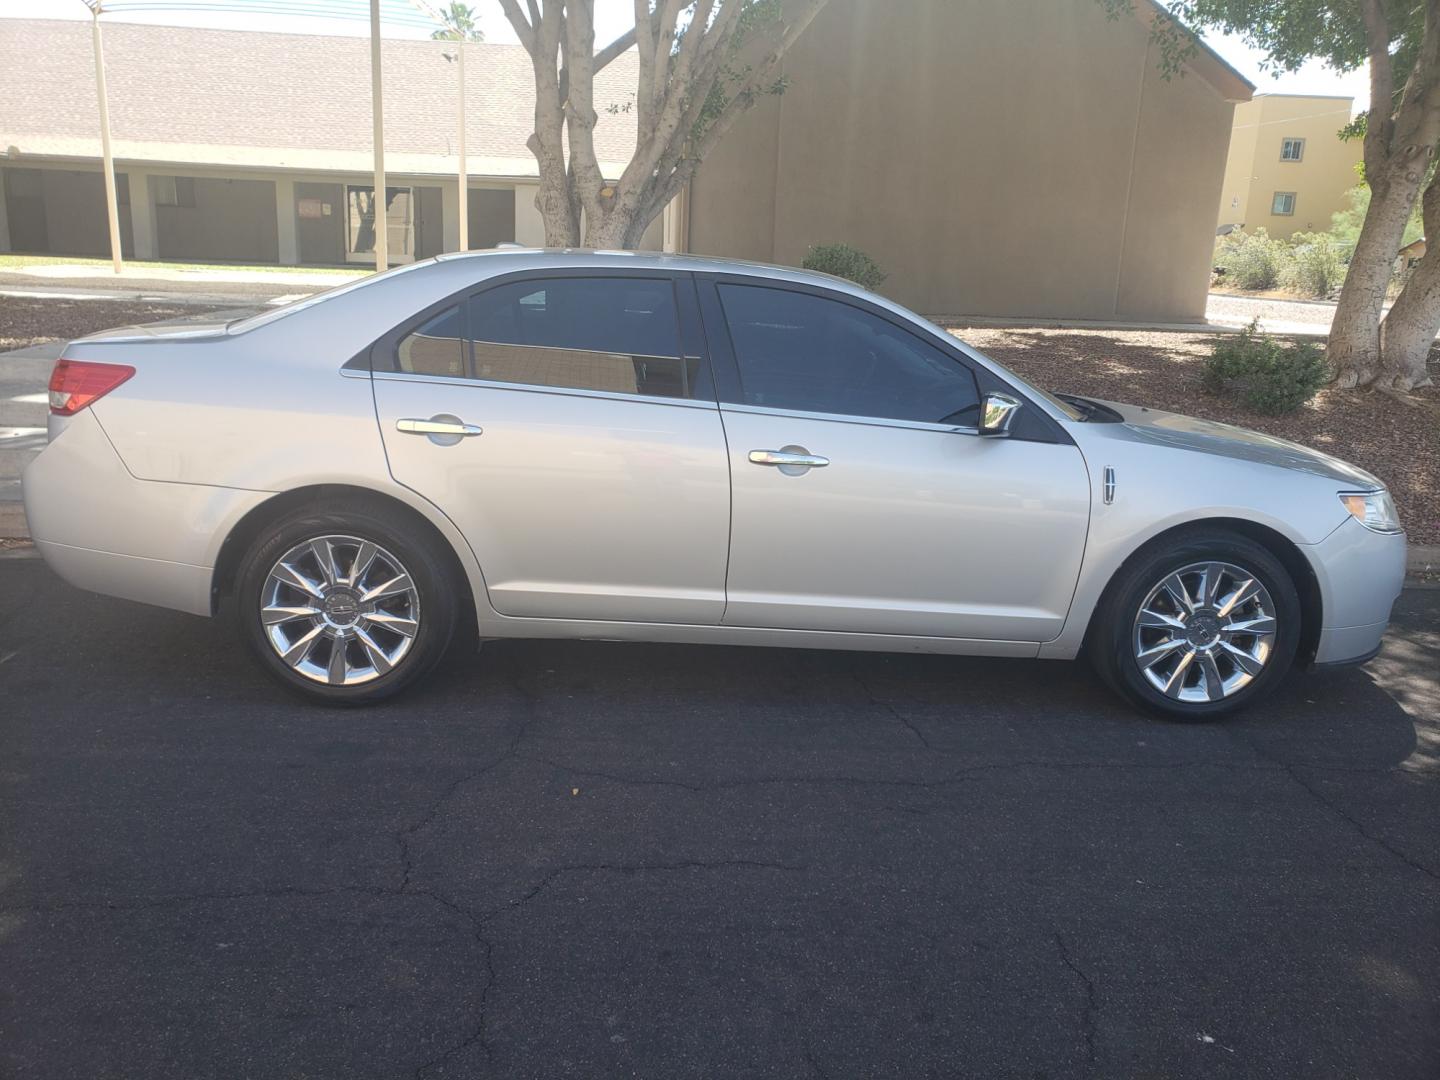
[
  {"x": 233, "y": 98},
  {"x": 1206, "y": 62}
]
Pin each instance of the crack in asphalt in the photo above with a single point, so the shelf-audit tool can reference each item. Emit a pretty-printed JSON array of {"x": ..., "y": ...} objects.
[
  {"x": 477, "y": 922},
  {"x": 487, "y": 949},
  {"x": 404, "y": 836},
  {"x": 1339, "y": 811},
  {"x": 889, "y": 707},
  {"x": 1092, "y": 1003}
]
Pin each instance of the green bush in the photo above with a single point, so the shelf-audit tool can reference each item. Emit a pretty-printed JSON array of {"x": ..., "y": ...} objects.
[
  {"x": 1315, "y": 266},
  {"x": 1251, "y": 260},
  {"x": 1269, "y": 375},
  {"x": 847, "y": 262}
]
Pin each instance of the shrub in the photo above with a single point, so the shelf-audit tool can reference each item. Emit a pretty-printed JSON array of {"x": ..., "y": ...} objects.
[
  {"x": 1251, "y": 260},
  {"x": 1316, "y": 266},
  {"x": 1269, "y": 375},
  {"x": 844, "y": 261}
]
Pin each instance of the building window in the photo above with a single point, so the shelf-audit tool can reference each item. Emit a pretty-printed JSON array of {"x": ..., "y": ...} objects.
[
  {"x": 360, "y": 222},
  {"x": 174, "y": 190},
  {"x": 1292, "y": 149},
  {"x": 1283, "y": 204}
]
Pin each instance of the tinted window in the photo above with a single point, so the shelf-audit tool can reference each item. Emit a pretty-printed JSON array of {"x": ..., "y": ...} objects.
[
  {"x": 437, "y": 348},
  {"x": 615, "y": 334},
  {"x": 798, "y": 351}
]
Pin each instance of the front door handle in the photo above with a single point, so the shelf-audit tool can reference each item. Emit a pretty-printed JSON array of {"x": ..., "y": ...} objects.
[
  {"x": 791, "y": 456},
  {"x": 438, "y": 425}
]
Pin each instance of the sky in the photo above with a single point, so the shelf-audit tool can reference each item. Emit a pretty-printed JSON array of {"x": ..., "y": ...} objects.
[{"x": 612, "y": 18}]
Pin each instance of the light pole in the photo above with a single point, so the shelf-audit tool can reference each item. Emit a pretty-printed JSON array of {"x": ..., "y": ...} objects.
[
  {"x": 112, "y": 208},
  {"x": 458, "y": 56},
  {"x": 382, "y": 229}
]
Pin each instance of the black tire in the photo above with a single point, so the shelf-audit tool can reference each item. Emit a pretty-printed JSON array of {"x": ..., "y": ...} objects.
[
  {"x": 424, "y": 558},
  {"x": 1112, "y": 645}
]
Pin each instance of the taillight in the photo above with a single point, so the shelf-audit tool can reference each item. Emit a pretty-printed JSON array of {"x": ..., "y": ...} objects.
[{"x": 75, "y": 384}]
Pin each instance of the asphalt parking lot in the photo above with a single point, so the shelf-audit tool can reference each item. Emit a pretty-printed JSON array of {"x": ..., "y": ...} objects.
[{"x": 596, "y": 860}]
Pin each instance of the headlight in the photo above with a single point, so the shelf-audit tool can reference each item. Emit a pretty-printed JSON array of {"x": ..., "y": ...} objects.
[{"x": 1373, "y": 509}]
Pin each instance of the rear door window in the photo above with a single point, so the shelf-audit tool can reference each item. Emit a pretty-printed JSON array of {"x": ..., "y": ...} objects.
[{"x": 613, "y": 334}]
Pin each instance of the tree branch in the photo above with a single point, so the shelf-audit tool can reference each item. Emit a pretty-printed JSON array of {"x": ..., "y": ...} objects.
[{"x": 524, "y": 30}]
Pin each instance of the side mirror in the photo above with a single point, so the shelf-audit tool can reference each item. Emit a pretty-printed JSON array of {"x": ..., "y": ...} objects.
[{"x": 997, "y": 412}]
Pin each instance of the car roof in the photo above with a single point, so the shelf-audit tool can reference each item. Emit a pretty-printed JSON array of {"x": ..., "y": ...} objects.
[{"x": 507, "y": 258}]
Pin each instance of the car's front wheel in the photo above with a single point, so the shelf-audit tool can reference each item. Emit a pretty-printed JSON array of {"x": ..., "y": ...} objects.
[
  {"x": 1198, "y": 627},
  {"x": 346, "y": 605}
]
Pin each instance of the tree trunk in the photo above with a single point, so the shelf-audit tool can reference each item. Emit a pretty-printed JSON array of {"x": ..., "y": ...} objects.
[
  {"x": 1354, "y": 346},
  {"x": 1410, "y": 328}
]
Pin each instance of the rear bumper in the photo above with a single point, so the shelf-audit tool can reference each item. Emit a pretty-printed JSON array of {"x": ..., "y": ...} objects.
[
  {"x": 1360, "y": 573},
  {"x": 150, "y": 581},
  {"x": 100, "y": 528}
]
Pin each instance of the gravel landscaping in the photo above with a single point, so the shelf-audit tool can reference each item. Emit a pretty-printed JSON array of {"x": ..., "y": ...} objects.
[
  {"x": 1398, "y": 439},
  {"x": 26, "y": 321}
]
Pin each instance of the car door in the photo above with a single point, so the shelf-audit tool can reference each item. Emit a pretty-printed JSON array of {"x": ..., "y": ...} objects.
[
  {"x": 864, "y": 500},
  {"x": 566, "y": 422}
]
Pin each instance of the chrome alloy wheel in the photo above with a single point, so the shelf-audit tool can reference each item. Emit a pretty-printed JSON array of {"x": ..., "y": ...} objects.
[
  {"x": 1204, "y": 632},
  {"x": 340, "y": 610}
]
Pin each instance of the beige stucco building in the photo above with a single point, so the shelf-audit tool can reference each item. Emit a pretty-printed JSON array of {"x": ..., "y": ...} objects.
[
  {"x": 1288, "y": 169},
  {"x": 1024, "y": 158}
]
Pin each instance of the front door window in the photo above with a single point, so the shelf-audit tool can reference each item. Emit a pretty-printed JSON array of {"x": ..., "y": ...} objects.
[{"x": 798, "y": 351}]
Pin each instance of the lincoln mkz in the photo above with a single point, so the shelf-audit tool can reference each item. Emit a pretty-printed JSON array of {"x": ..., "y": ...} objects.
[{"x": 667, "y": 448}]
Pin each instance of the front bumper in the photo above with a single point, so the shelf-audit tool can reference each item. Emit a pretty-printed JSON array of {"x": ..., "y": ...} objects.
[
  {"x": 1360, "y": 573},
  {"x": 101, "y": 529}
]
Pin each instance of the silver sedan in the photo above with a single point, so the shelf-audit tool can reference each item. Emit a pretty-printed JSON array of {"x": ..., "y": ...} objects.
[{"x": 662, "y": 448}]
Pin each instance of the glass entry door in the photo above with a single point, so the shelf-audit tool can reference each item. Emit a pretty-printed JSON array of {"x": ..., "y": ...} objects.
[{"x": 360, "y": 224}]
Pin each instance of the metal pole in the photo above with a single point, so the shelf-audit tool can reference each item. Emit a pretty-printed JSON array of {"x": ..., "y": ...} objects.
[
  {"x": 382, "y": 229},
  {"x": 112, "y": 208},
  {"x": 464, "y": 180}
]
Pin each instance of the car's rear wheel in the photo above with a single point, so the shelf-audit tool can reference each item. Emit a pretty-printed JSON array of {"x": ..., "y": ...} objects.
[
  {"x": 1198, "y": 627},
  {"x": 344, "y": 604}
]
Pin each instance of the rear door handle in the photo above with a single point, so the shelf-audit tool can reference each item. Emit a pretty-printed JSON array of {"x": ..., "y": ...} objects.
[
  {"x": 788, "y": 456},
  {"x": 438, "y": 425}
]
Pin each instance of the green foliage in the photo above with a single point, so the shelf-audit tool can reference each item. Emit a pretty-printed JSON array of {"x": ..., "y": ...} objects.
[
  {"x": 1251, "y": 260},
  {"x": 1345, "y": 224},
  {"x": 1314, "y": 265},
  {"x": 758, "y": 18},
  {"x": 847, "y": 262},
  {"x": 1286, "y": 32},
  {"x": 457, "y": 23},
  {"x": 1269, "y": 375}
]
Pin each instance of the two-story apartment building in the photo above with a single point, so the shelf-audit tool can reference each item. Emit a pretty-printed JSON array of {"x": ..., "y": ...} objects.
[{"x": 1288, "y": 169}]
